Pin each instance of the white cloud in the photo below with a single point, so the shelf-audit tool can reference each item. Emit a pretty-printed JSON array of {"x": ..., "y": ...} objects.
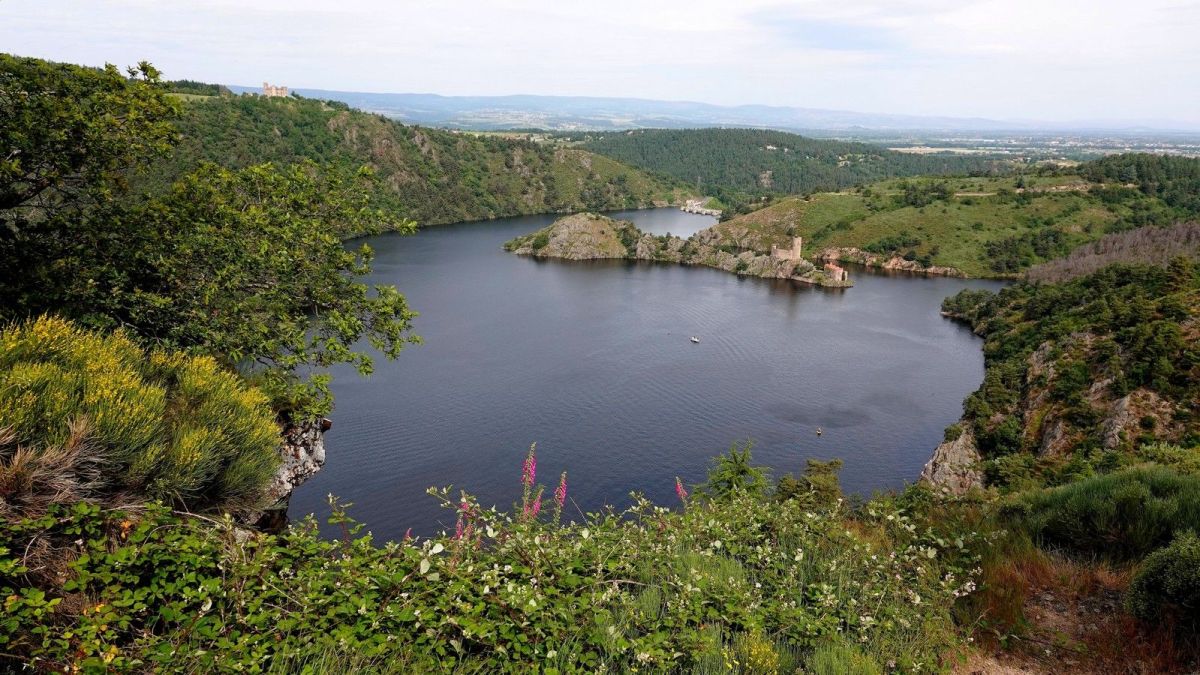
[{"x": 1056, "y": 59}]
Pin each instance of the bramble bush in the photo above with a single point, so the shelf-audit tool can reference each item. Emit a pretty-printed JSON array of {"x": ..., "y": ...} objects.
[
  {"x": 741, "y": 583},
  {"x": 85, "y": 415}
]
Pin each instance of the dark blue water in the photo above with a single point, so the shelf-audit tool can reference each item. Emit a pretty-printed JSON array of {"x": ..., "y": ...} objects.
[{"x": 592, "y": 361}]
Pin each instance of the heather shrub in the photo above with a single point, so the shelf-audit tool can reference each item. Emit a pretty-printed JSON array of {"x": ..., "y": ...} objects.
[
  {"x": 85, "y": 415},
  {"x": 1123, "y": 515}
]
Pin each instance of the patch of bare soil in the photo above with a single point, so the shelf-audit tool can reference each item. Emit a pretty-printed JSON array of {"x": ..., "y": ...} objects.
[{"x": 1081, "y": 627}]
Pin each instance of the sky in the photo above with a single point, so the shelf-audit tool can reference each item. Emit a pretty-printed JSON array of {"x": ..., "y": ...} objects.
[{"x": 1046, "y": 60}]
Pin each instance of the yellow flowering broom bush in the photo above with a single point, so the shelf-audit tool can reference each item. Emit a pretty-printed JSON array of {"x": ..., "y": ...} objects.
[{"x": 86, "y": 415}]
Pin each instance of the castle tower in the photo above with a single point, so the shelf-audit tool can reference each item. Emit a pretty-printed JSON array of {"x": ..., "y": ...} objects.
[
  {"x": 796, "y": 252},
  {"x": 269, "y": 90}
]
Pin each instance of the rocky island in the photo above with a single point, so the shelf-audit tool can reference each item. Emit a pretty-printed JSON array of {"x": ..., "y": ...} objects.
[{"x": 590, "y": 236}]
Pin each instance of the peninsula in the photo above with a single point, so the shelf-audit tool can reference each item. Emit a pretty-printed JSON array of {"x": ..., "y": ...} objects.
[{"x": 590, "y": 236}]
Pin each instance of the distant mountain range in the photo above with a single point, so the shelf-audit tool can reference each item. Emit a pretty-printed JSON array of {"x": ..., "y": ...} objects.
[{"x": 564, "y": 113}]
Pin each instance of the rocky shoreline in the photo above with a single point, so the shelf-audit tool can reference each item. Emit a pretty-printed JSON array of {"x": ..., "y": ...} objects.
[
  {"x": 590, "y": 236},
  {"x": 886, "y": 262}
]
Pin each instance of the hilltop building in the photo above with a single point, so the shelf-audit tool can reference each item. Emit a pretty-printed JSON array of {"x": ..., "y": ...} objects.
[
  {"x": 794, "y": 253},
  {"x": 274, "y": 90}
]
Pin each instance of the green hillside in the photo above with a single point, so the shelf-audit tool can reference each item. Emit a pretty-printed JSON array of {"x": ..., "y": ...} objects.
[
  {"x": 759, "y": 160},
  {"x": 993, "y": 226},
  {"x": 1076, "y": 370},
  {"x": 427, "y": 175}
]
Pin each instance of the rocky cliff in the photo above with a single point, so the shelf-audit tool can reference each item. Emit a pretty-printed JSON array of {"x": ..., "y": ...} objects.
[
  {"x": 955, "y": 464},
  {"x": 589, "y": 236},
  {"x": 301, "y": 454},
  {"x": 1079, "y": 374}
]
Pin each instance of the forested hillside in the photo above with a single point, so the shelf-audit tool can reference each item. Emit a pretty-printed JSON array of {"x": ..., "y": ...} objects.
[
  {"x": 1101, "y": 363},
  {"x": 427, "y": 175},
  {"x": 758, "y": 160}
]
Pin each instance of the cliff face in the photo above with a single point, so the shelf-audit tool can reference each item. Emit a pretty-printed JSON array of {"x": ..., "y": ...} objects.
[
  {"x": 955, "y": 465},
  {"x": 1078, "y": 372},
  {"x": 588, "y": 236},
  {"x": 302, "y": 454}
]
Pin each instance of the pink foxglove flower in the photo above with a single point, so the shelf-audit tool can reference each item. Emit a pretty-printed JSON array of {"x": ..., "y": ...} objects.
[
  {"x": 560, "y": 493},
  {"x": 680, "y": 491},
  {"x": 529, "y": 470}
]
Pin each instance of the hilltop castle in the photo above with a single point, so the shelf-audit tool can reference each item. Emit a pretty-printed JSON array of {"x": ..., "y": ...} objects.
[
  {"x": 794, "y": 253},
  {"x": 274, "y": 90}
]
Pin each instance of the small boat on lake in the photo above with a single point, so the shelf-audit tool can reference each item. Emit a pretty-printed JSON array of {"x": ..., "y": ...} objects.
[
  {"x": 695, "y": 339},
  {"x": 819, "y": 431}
]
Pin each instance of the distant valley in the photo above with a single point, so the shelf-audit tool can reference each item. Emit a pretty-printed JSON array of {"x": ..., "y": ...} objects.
[{"x": 594, "y": 113}]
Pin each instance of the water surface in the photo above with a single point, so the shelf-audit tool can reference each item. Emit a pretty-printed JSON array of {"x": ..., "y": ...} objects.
[{"x": 592, "y": 361}]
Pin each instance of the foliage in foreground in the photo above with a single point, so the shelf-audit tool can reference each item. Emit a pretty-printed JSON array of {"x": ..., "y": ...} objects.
[
  {"x": 91, "y": 416},
  {"x": 741, "y": 583},
  {"x": 243, "y": 265},
  {"x": 68, "y": 133},
  {"x": 1168, "y": 583},
  {"x": 1119, "y": 516}
]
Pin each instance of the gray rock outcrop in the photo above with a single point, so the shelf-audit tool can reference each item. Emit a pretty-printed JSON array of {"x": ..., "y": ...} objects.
[
  {"x": 954, "y": 466},
  {"x": 302, "y": 454}
]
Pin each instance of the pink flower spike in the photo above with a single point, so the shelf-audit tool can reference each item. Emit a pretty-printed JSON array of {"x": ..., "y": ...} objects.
[
  {"x": 680, "y": 491},
  {"x": 537, "y": 505},
  {"x": 560, "y": 493},
  {"x": 529, "y": 470}
]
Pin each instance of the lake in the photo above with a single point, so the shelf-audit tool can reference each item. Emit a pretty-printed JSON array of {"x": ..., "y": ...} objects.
[{"x": 592, "y": 361}]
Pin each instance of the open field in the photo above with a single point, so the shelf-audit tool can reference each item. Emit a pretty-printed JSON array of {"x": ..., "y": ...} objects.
[{"x": 981, "y": 226}]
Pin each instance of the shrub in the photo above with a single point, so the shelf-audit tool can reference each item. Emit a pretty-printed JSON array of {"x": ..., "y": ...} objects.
[
  {"x": 1122, "y": 515},
  {"x": 818, "y": 485},
  {"x": 1168, "y": 583},
  {"x": 87, "y": 415},
  {"x": 952, "y": 433},
  {"x": 748, "y": 580},
  {"x": 840, "y": 658},
  {"x": 733, "y": 473}
]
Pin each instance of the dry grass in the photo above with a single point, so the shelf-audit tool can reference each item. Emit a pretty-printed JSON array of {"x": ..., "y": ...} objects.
[
  {"x": 31, "y": 479},
  {"x": 1040, "y": 612}
]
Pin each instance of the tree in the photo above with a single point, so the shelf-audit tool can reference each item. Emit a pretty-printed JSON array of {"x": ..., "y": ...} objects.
[
  {"x": 247, "y": 265},
  {"x": 733, "y": 472},
  {"x": 68, "y": 134}
]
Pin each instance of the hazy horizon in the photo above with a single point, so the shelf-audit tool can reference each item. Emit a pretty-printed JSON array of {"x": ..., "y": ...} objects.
[{"x": 1054, "y": 61}]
